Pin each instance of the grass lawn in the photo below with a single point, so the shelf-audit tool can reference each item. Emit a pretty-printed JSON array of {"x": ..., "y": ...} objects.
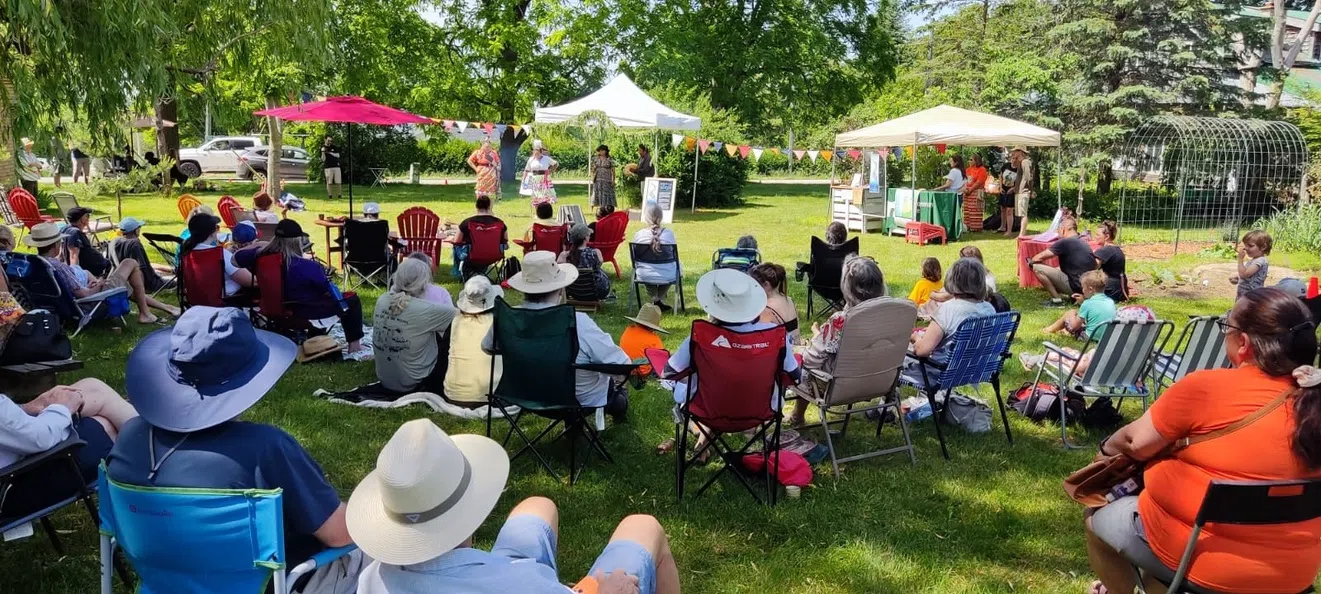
[{"x": 993, "y": 519}]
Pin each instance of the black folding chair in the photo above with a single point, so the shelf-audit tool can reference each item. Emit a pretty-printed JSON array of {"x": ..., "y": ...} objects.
[
  {"x": 1248, "y": 503},
  {"x": 58, "y": 465},
  {"x": 663, "y": 254},
  {"x": 542, "y": 344},
  {"x": 366, "y": 253},
  {"x": 824, "y": 273}
]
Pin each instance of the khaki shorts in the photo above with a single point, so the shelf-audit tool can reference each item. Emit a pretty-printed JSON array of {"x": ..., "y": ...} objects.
[
  {"x": 82, "y": 167},
  {"x": 1056, "y": 278},
  {"x": 333, "y": 176},
  {"x": 1020, "y": 203}
]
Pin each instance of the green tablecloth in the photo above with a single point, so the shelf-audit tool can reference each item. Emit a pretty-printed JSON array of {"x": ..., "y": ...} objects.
[{"x": 938, "y": 208}]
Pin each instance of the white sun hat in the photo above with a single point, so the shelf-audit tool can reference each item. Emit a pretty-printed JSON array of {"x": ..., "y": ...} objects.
[
  {"x": 428, "y": 494},
  {"x": 542, "y": 275},
  {"x": 731, "y": 296}
]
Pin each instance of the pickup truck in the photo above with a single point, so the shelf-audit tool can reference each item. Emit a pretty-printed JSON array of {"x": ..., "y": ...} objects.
[{"x": 219, "y": 155}]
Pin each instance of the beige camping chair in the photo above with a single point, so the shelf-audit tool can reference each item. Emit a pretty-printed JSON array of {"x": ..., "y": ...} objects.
[{"x": 871, "y": 351}]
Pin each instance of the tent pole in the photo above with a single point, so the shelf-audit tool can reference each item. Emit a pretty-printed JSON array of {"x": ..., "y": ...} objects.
[
  {"x": 1059, "y": 191},
  {"x": 915, "y": 170},
  {"x": 697, "y": 156}
]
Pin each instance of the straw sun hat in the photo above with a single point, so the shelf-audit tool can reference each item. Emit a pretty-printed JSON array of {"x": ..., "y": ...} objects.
[{"x": 429, "y": 493}]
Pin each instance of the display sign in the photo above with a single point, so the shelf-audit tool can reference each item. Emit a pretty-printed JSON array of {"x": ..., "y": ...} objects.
[
  {"x": 874, "y": 183},
  {"x": 660, "y": 190}
]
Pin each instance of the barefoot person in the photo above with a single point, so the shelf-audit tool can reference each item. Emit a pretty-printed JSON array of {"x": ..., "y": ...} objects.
[{"x": 46, "y": 238}]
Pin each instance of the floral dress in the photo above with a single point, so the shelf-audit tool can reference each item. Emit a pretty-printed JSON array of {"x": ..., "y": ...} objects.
[
  {"x": 537, "y": 182},
  {"x": 602, "y": 175},
  {"x": 487, "y": 165}
]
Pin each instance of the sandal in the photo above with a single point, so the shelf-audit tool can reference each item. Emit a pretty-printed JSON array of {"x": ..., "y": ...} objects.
[{"x": 1097, "y": 588}]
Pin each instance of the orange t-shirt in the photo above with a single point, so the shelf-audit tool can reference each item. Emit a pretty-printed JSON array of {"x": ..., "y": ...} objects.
[
  {"x": 1247, "y": 559},
  {"x": 976, "y": 178},
  {"x": 637, "y": 339}
]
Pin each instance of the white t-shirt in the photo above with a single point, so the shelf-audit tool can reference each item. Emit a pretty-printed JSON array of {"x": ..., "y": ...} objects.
[{"x": 956, "y": 180}]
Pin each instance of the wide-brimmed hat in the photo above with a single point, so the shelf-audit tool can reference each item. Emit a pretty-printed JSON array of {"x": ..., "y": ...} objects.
[
  {"x": 731, "y": 296},
  {"x": 649, "y": 315},
  {"x": 429, "y": 493},
  {"x": 42, "y": 235},
  {"x": 25, "y": 141},
  {"x": 478, "y": 295},
  {"x": 371, "y": 208},
  {"x": 317, "y": 347},
  {"x": 207, "y": 369},
  {"x": 579, "y": 232},
  {"x": 542, "y": 275},
  {"x": 1019, "y": 149},
  {"x": 130, "y": 224},
  {"x": 289, "y": 228}
]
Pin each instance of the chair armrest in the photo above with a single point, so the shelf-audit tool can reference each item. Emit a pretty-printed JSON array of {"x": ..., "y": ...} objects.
[
  {"x": 927, "y": 361},
  {"x": 103, "y": 295},
  {"x": 823, "y": 376},
  {"x": 30, "y": 463},
  {"x": 321, "y": 559}
]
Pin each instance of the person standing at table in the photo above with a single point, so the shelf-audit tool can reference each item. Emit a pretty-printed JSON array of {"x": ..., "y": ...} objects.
[
  {"x": 1008, "y": 185},
  {"x": 972, "y": 194},
  {"x": 1023, "y": 192},
  {"x": 536, "y": 175},
  {"x": 331, "y": 168},
  {"x": 955, "y": 180},
  {"x": 601, "y": 171},
  {"x": 485, "y": 162},
  {"x": 644, "y": 169}
]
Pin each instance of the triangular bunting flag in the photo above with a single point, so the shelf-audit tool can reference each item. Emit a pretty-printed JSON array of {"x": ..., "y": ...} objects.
[
  {"x": 500, "y": 130},
  {"x": 703, "y": 145},
  {"x": 855, "y": 154},
  {"x": 463, "y": 126},
  {"x": 908, "y": 152},
  {"x": 449, "y": 124},
  {"x": 718, "y": 145},
  {"x": 798, "y": 154},
  {"x": 689, "y": 143},
  {"x": 489, "y": 127},
  {"x": 840, "y": 153},
  {"x": 813, "y": 155},
  {"x": 743, "y": 150},
  {"x": 940, "y": 148},
  {"x": 675, "y": 139},
  {"x": 731, "y": 149},
  {"x": 517, "y": 129},
  {"x": 756, "y": 154},
  {"x": 897, "y": 151},
  {"x": 827, "y": 155}
]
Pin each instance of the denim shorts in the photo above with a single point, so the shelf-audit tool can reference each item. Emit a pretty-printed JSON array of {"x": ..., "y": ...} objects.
[{"x": 528, "y": 537}]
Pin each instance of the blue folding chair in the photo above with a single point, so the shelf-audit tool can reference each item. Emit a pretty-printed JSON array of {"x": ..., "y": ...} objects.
[
  {"x": 199, "y": 540},
  {"x": 978, "y": 352}
]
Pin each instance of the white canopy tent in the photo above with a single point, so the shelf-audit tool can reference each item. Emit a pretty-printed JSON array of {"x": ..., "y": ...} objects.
[
  {"x": 950, "y": 125},
  {"x": 627, "y": 106}
]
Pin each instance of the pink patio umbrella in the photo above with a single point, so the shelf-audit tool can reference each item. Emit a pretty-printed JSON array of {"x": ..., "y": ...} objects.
[{"x": 347, "y": 110}]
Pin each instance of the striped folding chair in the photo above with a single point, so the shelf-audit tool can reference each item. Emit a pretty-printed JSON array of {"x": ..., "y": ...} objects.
[
  {"x": 1200, "y": 346},
  {"x": 977, "y": 354},
  {"x": 1119, "y": 365}
]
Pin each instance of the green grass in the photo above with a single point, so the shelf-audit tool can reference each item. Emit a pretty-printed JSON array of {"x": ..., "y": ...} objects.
[{"x": 993, "y": 519}]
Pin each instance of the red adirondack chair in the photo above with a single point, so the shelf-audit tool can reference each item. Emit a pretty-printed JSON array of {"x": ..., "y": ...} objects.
[
  {"x": 26, "y": 209},
  {"x": 546, "y": 238},
  {"x": 225, "y": 207},
  {"x": 420, "y": 228},
  {"x": 609, "y": 235}
]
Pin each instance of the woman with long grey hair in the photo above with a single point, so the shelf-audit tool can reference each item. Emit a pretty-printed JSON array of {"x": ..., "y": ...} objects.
[
  {"x": 656, "y": 277},
  {"x": 408, "y": 331}
]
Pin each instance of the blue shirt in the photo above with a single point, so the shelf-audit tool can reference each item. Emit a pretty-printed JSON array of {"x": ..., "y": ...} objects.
[
  {"x": 310, "y": 294},
  {"x": 234, "y": 455},
  {"x": 470, "y": 571}
]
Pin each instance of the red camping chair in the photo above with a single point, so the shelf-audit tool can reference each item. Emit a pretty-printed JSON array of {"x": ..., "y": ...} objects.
[
  {"x": 275, "y": 313},
  {"x": 419, "y": 229},
  {"x": 226, "y": 207},
  {"x": 26, "y": 209},
  {"x": 736, "y": 374},
  {"x": 546, "y": 238},
  {"x": 485, "y": 249},
  {"x": 203, "y": 278},
  {"x": 609, "y": 235}
]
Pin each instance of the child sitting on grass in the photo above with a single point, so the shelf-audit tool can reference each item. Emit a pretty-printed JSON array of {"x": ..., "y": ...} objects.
[
  {"x": 1096, "y": 309},
  {"x": 1252, "y": 273},
  {"x": 930, "y": 282}
]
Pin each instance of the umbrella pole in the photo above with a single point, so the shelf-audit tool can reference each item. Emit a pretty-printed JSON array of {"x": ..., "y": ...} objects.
[{"x": 350, "y": 169}]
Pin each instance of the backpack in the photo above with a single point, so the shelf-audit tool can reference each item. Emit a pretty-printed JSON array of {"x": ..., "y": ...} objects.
[
  {"x": 1102, "y": 414},
  {"x": 512, "y": 267},
  {"x": 1045, "y": 403}
]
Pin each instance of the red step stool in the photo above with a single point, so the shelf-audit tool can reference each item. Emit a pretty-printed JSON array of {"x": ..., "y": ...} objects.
[{"x": 922, "y": 233}]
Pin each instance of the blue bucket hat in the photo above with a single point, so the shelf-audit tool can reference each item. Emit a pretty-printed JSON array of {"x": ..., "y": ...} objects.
[
  {"x": 206, "y": 370},
  {"x": 245, "y": 232}
]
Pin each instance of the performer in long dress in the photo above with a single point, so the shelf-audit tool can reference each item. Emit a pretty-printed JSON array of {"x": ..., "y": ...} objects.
[
  {"x": 537, "y": 176},
  {"x": 485, "y": 162},
  {"x": 601, "y": 171}
]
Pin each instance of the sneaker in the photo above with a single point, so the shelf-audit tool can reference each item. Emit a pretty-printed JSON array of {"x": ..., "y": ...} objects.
[
  {"x": 360, "y": 355},
  {"x": 1030, "y": 362}
]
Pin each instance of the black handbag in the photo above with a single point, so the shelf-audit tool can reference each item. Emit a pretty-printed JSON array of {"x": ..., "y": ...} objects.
[{"x": 37, "y": 338}]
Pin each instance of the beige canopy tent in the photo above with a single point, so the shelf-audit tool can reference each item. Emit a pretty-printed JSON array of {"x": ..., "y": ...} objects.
[{"x": 950, "y": 125}]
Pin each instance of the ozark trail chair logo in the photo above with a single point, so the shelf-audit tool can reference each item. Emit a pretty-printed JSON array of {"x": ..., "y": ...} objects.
[
  {"x": 721, "y": 342},
  {"x": 724, "y": 343}
]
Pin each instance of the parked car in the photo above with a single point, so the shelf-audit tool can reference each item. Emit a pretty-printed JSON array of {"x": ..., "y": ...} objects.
[
  {"x": 220, "y": 155},
  {"x": 293, "y": 162}
]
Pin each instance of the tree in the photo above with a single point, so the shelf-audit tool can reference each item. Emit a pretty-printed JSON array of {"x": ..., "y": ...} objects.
[
  {"x": 1284, "y": 51},
  {"x": 64, "y": 56},
  {"x": 778, "y": 64},
  {"x": 1124, "y": 60}
]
